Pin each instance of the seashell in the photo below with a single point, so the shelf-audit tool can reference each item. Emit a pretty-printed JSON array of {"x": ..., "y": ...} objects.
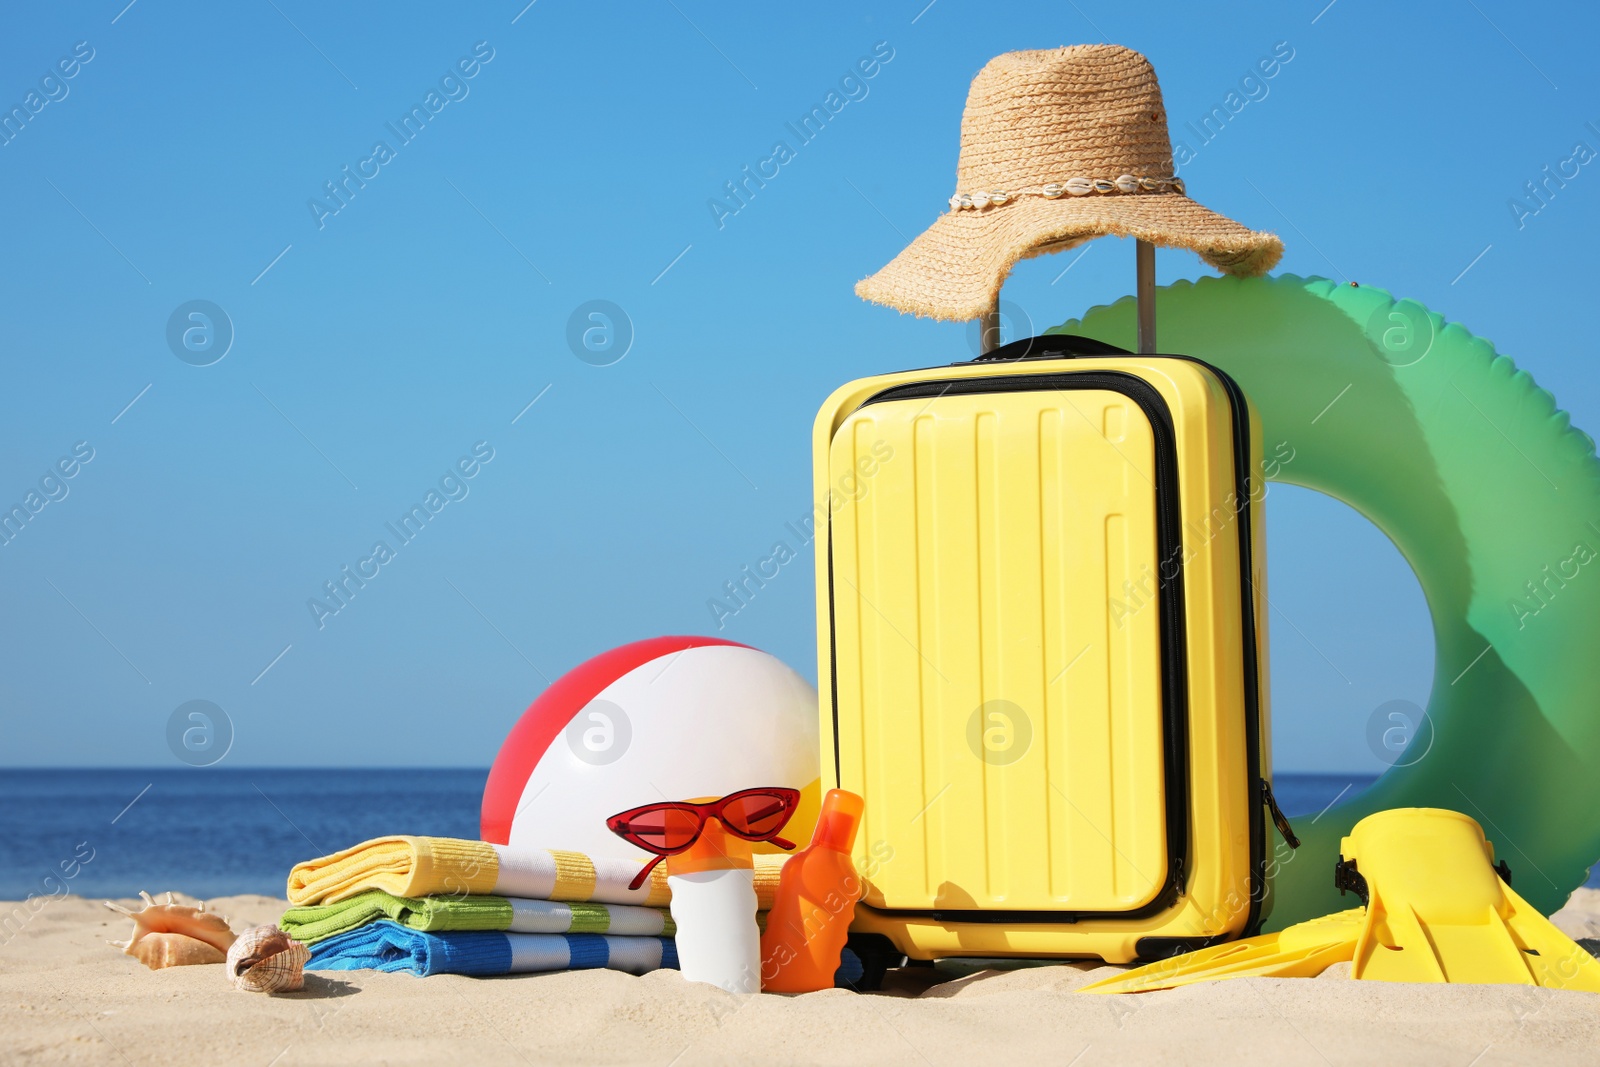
[
  {"x": 1053, "y": 191},
  {"x": 999, "y": 199},
  {"x": 1104, "y": 185},
  {"x": 1080, "y": 186},
  {"x": 1127, "y": 183},
  {"x": 173, "y": 934},
  {"x": 980, "y": 200},
  {"x": 158, "y": 950},
  {"x": 267, "y": 960}
]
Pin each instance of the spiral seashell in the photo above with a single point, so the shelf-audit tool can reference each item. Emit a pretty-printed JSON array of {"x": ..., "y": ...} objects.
[
  {"x": 267, "y": 960},
  {"x": 173, "y": 934}
]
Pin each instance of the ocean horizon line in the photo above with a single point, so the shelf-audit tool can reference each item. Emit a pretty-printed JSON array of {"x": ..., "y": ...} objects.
[{"x": 431, "y": 767}]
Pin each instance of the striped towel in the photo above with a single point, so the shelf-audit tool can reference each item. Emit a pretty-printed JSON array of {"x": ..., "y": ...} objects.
[
  {"x": 388, "y": 946},
  {"x": 435, "y": 866},
  {"x": 316, "y": 922}
]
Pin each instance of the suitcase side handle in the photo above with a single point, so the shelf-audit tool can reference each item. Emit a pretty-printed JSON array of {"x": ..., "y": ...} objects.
[{"x": 1050, "y": 346}]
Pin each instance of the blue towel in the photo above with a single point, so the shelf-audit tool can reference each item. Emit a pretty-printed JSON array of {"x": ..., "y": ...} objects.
[{"x": 388, "y": 946}]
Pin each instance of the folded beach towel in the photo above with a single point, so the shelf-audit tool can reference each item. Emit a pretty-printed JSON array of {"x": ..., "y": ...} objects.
[
  {"x": 388, "y": 946},
  {"x": 316, "y": 922},
  {"x": 429, "y": 866}
]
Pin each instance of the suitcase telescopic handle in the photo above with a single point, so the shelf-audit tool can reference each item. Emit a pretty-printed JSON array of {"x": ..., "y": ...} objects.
[{"x": 1144, "y": 301}]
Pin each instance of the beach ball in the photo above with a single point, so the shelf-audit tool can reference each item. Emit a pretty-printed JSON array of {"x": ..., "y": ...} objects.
[{"x": 671, "y": 718}]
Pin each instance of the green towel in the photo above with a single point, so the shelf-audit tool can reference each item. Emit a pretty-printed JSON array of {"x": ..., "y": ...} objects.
[{"x": 312, "y": 923}]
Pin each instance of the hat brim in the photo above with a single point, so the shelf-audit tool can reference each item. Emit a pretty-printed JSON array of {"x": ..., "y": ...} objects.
[{"x": 954, "y": 269}]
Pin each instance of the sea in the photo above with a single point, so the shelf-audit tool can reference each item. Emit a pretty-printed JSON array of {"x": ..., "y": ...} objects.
[{"x": 219, "y": 832}]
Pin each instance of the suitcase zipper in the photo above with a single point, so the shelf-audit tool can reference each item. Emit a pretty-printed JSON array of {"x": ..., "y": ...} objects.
[{"x": 1278, "y": 817}]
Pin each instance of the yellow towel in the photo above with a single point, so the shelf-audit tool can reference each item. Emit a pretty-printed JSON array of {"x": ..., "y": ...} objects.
[
  {"x": 442, "y": 866},
  {"x": 403, "y": 866}
]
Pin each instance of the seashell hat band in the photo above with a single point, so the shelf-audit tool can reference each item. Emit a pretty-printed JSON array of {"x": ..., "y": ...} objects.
[{"x": 1057, "y": 147}]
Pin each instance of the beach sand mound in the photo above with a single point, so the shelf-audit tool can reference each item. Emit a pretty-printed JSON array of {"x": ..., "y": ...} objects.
[{"x": 66, "y": 997}]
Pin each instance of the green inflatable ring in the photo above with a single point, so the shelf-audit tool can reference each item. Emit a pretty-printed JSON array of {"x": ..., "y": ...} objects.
[{"x": 1494, "y": 499}]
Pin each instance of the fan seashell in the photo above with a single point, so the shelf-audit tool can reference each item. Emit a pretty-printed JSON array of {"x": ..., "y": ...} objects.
[
  {"x": 173, "y": 934},
  {"x": 267, "y": 960}
]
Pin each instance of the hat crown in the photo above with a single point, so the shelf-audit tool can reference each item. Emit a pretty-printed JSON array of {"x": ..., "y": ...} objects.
[{"x": 1085, "y": 111}]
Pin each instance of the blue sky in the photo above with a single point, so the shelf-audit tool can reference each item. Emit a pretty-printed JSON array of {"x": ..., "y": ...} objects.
[{"x": 375, "y": 346}]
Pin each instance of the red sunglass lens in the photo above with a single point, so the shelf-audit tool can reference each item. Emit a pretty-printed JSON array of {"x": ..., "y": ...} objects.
[
  {"x": 663, "y": 829},
  {"x": 756, "y": 814}
]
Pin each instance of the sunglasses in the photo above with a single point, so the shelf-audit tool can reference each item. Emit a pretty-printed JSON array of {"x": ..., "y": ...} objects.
[{"x": 671, "y": 827}]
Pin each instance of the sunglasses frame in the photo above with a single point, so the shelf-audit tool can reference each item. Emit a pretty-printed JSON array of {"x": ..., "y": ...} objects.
[{"x": 619, "y": 823}]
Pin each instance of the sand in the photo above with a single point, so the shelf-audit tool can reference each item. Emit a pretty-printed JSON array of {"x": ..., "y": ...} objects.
[{"x": 66, "y": 997}]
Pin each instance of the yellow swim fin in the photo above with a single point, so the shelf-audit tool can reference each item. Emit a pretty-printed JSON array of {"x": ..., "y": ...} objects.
[
  {"x": 1304, "y": 950},
  {"x": 1438, "y": 910}
]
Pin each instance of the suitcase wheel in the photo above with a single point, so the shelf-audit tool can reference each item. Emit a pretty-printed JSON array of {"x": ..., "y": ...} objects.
[{"x": 873, "y": 955}]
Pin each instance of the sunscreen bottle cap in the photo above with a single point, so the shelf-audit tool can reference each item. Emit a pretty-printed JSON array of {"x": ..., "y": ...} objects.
[
  {"x": 714, "y": 850},
  {"x": 838, "y": 821}
]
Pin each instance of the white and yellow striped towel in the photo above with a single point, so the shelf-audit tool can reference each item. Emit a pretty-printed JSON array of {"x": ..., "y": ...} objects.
[{"x": 442, "y": 866}]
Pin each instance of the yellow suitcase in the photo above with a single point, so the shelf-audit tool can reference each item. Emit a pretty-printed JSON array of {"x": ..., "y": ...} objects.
[{"x": 1039, "y": 654}]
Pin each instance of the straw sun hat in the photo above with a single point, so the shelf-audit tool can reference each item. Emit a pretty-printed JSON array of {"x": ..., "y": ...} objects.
[{"x": 1057, "y": 147}]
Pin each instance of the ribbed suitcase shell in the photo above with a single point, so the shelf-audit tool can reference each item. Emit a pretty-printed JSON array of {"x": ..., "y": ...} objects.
[{"x": 1050, "y": 735}]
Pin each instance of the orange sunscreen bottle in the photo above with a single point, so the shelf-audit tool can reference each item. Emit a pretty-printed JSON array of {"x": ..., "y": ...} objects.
[
  {"x": 714, "y": 907},
  {"x": 817, "y": 894}
]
